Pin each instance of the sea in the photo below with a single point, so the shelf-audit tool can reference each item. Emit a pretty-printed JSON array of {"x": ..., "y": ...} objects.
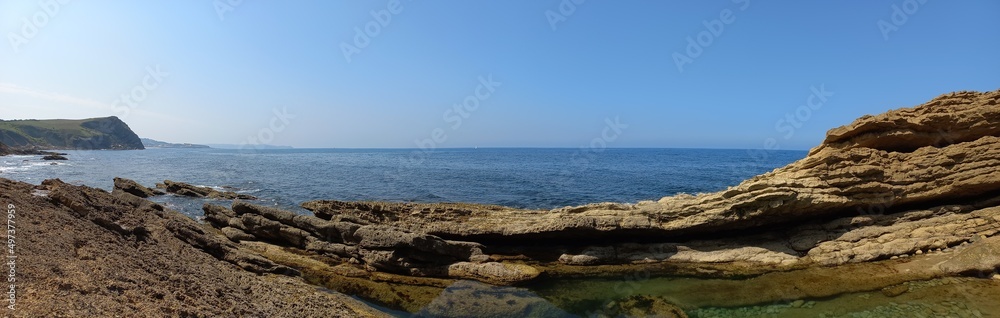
[
  {"x": 531, "y": 178},
  {"x": 523, "y": 178}
]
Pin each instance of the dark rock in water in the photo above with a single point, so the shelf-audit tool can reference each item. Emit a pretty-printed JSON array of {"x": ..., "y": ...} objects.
[
  {"x": 54, "y": 157},
  {"x": 893, "y": 291},
  {"x": 135, "y": 188},
  {"x": 473, "y": 299},
  {"x": 185, "y": 189},
  {"x": 644, "y": 306},
  {"x": 25, "y": 150}
]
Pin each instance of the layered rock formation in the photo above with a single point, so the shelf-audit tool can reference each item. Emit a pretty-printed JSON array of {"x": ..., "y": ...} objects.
[
  {"x": 377, "y": 247},
  {"x": 860, "y": 196},
  {"x": 85, "y": 252},
  {"x": 909, "y": 182},
  {"x": 907, "y": 196}
]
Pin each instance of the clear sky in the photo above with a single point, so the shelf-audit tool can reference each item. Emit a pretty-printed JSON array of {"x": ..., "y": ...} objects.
[{"x": 218, "y": 72}]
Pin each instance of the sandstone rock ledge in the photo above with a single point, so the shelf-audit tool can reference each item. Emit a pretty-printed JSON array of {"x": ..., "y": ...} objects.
[
  {"x": 916, "y": 179},
  {"x": 909, "y": 195},
  {"x": 84, "y": 252}
]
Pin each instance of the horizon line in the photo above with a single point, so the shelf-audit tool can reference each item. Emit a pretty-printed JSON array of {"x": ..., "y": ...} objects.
[{"x": 473, "y": 148}]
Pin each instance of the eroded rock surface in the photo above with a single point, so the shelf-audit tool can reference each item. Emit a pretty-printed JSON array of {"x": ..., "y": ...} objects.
[
  {"x": 909, "y": 195},
  {"x": 913, "y": 179},
  {"x": 85, "y": 252},
  {"x": 378, "y": 247}
]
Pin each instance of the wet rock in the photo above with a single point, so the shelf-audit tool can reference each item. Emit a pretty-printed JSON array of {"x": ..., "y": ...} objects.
[
  {"x": 894, "y": 291},
  {"x": 645, "y": 306},
  {"x": 136, "y": 189},
  {"x": 185, "y": 189},
  {"x": 472, "y": 299},
  {"x": 54, "y": 157}
]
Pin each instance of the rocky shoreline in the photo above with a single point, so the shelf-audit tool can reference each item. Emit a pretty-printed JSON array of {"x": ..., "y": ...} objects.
[
  {"x": 887, "y": 202},
  {"x": 82, "y": 251}
]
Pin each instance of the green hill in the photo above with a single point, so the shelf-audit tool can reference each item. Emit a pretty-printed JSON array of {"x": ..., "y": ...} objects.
[{"x": 95, "y": 133}]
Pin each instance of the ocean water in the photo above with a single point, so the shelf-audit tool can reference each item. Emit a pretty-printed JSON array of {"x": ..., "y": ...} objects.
[
  {"x": 526, "y": 178},
  {"x": 523, "y": 178}
]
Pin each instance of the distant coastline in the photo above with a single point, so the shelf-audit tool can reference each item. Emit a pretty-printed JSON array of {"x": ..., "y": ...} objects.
[
  {"x": 234, "y": 146},
  {"x": 151, "y": 143}
]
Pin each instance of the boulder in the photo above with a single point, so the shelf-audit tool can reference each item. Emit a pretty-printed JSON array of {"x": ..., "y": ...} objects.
[
  {"x": 472, "y": 299},
  {"x": 981, "y": 258},
  {"x": 493, "y": 272},
  {"x": 136, "y": 189},
  {"x": 185, "y": 189}
]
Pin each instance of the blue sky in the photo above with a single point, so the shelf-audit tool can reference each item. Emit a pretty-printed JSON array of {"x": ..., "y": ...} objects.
[{"x": 216, "y": 76}]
